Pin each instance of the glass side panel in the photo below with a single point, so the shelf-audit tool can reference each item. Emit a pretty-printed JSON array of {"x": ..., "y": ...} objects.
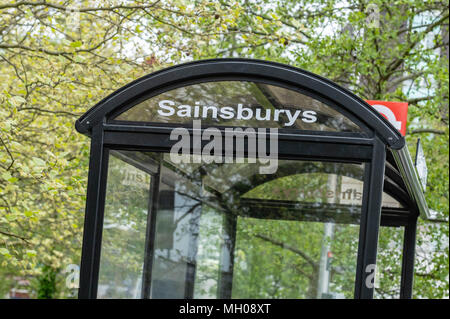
[
  {"x": 285, "y": 259},
  {"x": 226, "y": 231},
  {"x": 239, "y": 103},
  {"x": 348, "y": 190},
  {"x": 391, "y": 202},
  {"x": 125, "y": 218},
  {"x": 389, "y": 263}
]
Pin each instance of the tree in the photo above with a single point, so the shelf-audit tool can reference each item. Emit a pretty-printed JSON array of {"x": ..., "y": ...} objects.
[{"x": 53, "y": 68}]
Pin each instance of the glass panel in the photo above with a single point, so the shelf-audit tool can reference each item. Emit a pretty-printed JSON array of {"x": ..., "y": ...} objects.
[
  {"x": 349, "y": 189},
  {"x": 226, "y": 231},
  {"x": 125, "y": 216},
  {"x": 246, "y": 104},
  {"x": 286, "y": 259},
  {"x": 389, "y": 263},
  {"x": 391, "y": 202}
]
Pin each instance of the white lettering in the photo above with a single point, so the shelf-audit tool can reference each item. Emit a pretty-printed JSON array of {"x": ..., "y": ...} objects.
[
  {"x": 197, "y": 110},
  {"x": 276, "y": 116},
  {"x": 168, "y": 108},
  {"x": 162, "y": 104},
  {"x": 241, "y": 109},
  {"x": 309, "y": 117},
  {"x": 184, "y": 111},
  {"x": 292, "y": 118},
  {"x": 227, "y": 112},
  {"x": 205, "y": 111},
  {"x": 258, "y": 115}
]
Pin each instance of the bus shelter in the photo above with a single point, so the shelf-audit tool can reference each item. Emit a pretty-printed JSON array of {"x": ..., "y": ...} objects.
[{"x": 284, "y": 183}]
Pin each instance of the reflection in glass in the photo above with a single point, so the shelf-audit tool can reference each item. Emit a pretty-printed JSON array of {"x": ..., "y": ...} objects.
[
  {"x": 123, "y": 240},
  {"x": 262, "y": 105},
  {"x": 226, "y": 231},
  {"x": 389, "y": 265}
]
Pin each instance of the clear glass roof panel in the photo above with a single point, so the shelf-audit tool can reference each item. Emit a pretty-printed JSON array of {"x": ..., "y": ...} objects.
[{"x": 239, "y": 103}]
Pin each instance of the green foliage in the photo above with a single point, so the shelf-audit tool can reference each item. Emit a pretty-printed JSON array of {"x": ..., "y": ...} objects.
[
  {"x": 47, "y": 283},
  {"x": 124, "y": 231}
]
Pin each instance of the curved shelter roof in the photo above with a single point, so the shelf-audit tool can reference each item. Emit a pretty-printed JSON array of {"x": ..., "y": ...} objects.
[{"x": 399, "y": 167}]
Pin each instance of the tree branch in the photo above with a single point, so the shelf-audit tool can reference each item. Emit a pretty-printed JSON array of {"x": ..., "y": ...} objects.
[
  {"x": 26, "y": 240},
  {"x": 426, "y": 130},
  {"x": 420, "y": 99},
  {"x": 396, "y": 63},
  {"x": 9, "y": 153},
  {"x": 65, "y": 8},
  {"x": 288, "y": 247}
]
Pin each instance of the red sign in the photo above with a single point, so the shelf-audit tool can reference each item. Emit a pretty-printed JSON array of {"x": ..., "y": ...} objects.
[{"x": 395, "y": 112}]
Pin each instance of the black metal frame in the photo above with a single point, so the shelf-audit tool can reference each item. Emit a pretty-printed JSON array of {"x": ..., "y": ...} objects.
[
  {"x": 151, "y": 233},
  {"x": 373, "y": 147},
  {"x": 93, "y": 223}
]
